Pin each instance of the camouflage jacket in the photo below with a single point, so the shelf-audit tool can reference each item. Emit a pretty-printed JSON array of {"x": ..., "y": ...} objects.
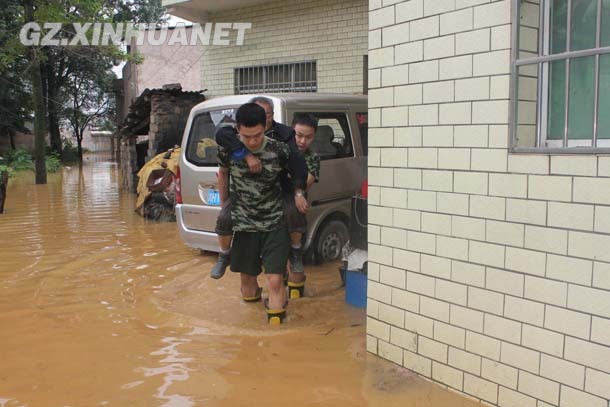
[
  {"x": 256, "y": 199},
  {"x": 313, "y": 163}
]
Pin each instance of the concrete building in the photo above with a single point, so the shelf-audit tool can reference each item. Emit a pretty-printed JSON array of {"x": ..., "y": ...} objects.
[
  {"x": 161, "y": 65},
  {"x": 293, "y": 45},
  {"x": 490, "y": 197}
]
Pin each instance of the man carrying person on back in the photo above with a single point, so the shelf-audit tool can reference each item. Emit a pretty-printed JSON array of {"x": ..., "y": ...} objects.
[
  {"x": 261, "y": 237},
  {"x": 226, "y": 137}
]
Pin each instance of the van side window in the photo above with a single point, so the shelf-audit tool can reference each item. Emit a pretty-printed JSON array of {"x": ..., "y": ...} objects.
[
  {"x": 201, "y": 149},
  {"x": 333, "y": 138}
]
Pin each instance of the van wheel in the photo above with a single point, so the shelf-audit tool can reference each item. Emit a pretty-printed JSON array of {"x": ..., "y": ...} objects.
[{"x": 330, "y": 242}]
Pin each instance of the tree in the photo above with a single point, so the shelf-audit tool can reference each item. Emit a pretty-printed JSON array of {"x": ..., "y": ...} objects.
[
  {"x": 65, "y": 63},
  {"x": 15, "y": 94},
  {"x": 60, "y": 68},
  {"x": 37, "y": 101},
  {"x": 89, "y": 92}
]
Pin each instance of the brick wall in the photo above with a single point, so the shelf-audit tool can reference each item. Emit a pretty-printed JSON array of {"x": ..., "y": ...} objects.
[
  {"x": 332, "y": 32},
  {"x": 490, "y": 271},
  {"x": 166, "y": 64},
  {"x": 162, "y": 65}
]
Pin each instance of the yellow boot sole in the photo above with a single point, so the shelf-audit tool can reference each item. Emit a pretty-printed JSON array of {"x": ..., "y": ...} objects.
[
  {"x": 275, "y": 317},
  {"x": 296, "y": 290}
]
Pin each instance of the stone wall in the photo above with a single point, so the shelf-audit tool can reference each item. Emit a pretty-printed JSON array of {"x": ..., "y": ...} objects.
[
  {"x": 128, "y": 164},
  {"x": 169, "y": 111},
  {"x": 168, "y": 118}
]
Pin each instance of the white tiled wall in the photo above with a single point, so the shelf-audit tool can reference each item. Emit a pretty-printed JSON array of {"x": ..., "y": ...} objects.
[
  {"x": 490, "y": 271},
  {"x": 331, "y": 32}
]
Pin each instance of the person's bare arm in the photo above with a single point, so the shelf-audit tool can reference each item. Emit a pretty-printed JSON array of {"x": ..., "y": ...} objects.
[
  {"x": 223, "y": 184},
  {"x": 310, "y": 181}
]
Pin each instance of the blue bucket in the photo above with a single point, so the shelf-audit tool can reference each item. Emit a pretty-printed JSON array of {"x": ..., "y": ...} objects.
[{"x": 355, "y": 288}]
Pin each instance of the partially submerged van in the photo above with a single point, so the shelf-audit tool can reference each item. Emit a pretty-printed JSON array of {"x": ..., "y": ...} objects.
[{"x": 341, "y": 143}]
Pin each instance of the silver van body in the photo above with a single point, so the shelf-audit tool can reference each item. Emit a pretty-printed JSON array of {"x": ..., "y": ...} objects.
[{"x": 338, "y": 141}]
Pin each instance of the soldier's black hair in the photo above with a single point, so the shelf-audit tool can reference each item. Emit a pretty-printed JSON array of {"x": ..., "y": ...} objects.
[
  {"x": 250, "y": 115},
  {"x": 305, "y": 119}
]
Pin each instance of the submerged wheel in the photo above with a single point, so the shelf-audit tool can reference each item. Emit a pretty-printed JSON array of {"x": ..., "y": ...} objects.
[{"x": 331, "y": 239}]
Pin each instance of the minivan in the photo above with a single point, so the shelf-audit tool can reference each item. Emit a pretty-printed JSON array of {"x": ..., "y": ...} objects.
[{"x": 340, "y": 141}]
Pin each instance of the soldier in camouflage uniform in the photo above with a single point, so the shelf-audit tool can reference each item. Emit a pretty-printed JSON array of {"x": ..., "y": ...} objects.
[
  {"x": 305, "y": 127},
  {"x": 261, "y": 237},
  {"x": 227, "y": 138}
]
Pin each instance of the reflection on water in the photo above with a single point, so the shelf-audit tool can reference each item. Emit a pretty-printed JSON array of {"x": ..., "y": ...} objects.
[
  {"x": 172, "y": 369},
  {"x": 100, "y": 307}
]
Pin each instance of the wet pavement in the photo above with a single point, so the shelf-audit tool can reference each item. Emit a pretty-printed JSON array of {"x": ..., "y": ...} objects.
[{"x": 100, "y": 307}]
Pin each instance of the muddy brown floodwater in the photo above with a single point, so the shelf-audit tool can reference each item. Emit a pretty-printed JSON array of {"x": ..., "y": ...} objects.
[{"x": 100, "y": 307}]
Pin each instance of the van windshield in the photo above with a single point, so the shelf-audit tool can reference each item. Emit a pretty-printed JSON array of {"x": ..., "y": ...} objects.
[{"x": 201, "y": 149}]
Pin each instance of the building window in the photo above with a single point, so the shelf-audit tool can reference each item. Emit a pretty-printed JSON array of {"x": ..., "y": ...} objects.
[
  {"x": 561, "y": 75},
  {"x": 293, "y": 77}
]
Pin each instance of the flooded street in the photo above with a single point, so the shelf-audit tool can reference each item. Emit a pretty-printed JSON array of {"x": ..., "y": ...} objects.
[{"x": 100, "y": 307}]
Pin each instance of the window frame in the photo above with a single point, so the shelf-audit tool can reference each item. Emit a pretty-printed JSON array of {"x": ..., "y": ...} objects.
[
  {"x": 190, "y": 144},
  {"x": 541, "y": 62},
  {"x": 266, "y": 73}
]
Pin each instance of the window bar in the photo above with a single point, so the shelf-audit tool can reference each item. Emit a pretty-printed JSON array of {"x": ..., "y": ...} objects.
[
  {"x": 514, "y": 72},
  {"x": 544, "y": 102},
  {"x": 598, "y": 35},
  {"x": 250, "y": 76},
  {"x": 541, "y": 30},
  {"x": 244, "y": 77},
  {"x": 567, "y": 86},
  {"x": 244, "y": 80},
  {"x": 238, "y": 74},
  {"x": 563, "y": 55},
  {"x": 235, "y": 81},
  {"x": 311, "y": 80}
]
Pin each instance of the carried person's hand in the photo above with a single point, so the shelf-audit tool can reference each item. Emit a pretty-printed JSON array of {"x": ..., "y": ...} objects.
[
  {"x": 301, "y": 203},
  {"x": 254, "y": 164}
]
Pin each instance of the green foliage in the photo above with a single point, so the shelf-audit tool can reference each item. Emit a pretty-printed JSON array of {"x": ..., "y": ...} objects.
[
  {"x": 53, "y": 162},
  {"x": 15, "y": 97},
  {"x": 19, "y": 160},
  {"x": 5, "y": 168},
  {"x": 69, "y": 72}
]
